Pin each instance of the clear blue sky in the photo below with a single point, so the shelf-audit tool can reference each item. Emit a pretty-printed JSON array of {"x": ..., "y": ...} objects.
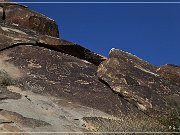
[{"x": 150, "y": 31}]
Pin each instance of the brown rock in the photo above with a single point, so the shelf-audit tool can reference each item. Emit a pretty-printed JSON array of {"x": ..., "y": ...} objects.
[
  {"x": 21, "y": 16},
  {"x": 62, "y": 90},
  {"x": 131, "y": 59},
  {"x": 51, "y": 85},
  {"x": 133, "y": 80},
  {"x": 170, "y": 72}
]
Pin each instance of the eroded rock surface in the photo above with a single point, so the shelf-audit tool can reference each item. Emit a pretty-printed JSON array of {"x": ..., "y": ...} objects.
[
  {"x": 48, "y": 84},
  {"x": 135, "y": 81},
  {"x": 21, "y": 16},
  {"x": 53, "y": 82},
  {"x": 170, "y": 72}
]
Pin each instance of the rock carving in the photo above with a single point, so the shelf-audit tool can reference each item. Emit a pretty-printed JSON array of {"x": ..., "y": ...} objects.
[{"x": 48, "y": 84}]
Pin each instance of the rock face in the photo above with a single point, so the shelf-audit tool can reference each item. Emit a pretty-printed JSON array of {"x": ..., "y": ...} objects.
[
  {"x": 52, "y": 85},
  {"x": 135, "y": 81},
  {"x": 170, "y": 72}
]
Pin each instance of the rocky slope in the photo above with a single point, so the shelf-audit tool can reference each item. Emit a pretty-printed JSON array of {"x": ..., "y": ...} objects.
[{"x": 52, "y": 85}]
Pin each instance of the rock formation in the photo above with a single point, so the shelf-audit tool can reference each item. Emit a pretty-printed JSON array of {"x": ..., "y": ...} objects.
[{"x": 52, "y": 85}]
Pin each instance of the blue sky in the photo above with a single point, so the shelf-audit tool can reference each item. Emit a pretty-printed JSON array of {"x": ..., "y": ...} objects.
[{"x": 150, "y": 31}]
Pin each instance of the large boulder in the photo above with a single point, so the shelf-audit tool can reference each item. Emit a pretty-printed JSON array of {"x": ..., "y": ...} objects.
[
  {"x": 136, "y": 81},
  {"x": 20, "y": 16}
]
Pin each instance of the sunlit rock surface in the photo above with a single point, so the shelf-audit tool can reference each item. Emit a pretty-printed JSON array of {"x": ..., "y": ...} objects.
[
  {"x": 53, "y": 85},
  {"x": 170, "y": 72},
  {"x": 135, "y": 81}
]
